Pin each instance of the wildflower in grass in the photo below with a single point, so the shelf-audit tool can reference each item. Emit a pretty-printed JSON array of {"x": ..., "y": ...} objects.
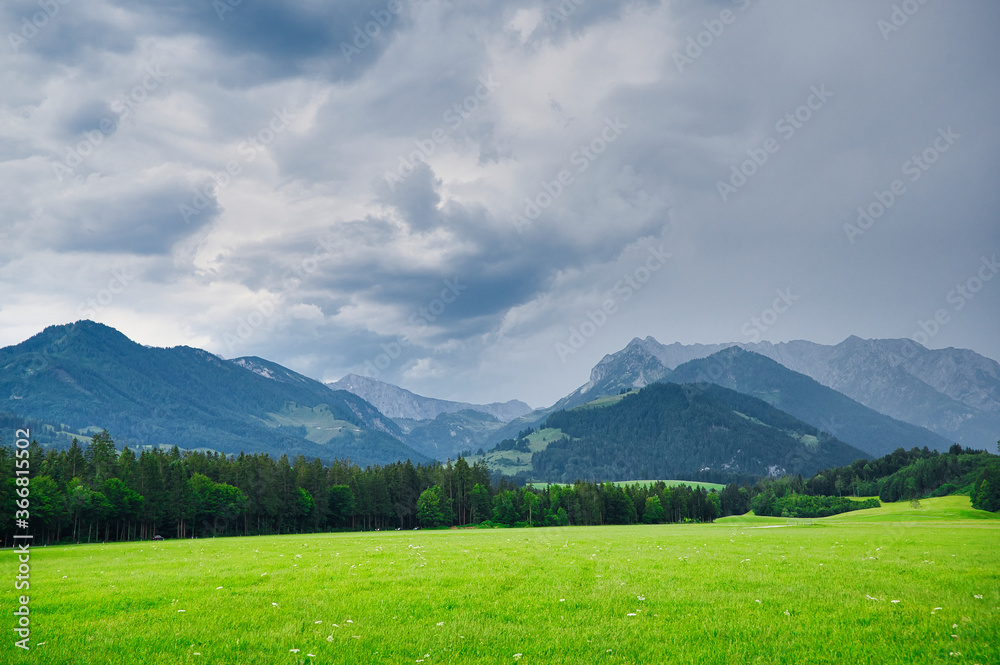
[
  {"x": 318, "y": 622},
  {"x": 180, "y": 610},
  {"x": 517, "y": 656},
  {"x": 894, "y": 601},
  {"x": 630, "y": 614},
  {"x": 641, "y": 597},
  {"x": 294, "y": 650},
  {"x": 329, "y": 638},
  {"x": 440, "y": 623},
  {"x": 979, "y": 596},
  {"x": 217, "y": 588}
]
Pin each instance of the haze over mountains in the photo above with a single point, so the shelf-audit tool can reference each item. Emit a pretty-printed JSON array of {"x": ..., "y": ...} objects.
[
  {"x": 82, "y": 377},
  {"x": 397, "y": 402}
]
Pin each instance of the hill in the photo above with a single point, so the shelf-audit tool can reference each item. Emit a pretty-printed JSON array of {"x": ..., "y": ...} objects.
[{"x": 693, "y": 431}]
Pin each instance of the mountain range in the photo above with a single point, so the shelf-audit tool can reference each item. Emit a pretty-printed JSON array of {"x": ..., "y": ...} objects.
[
  {"x": 872, "y": 396},
  {"x": 84, "y": 377},
  {"x": 397, "y": 402},
  {"x": 951, "y": 393}
]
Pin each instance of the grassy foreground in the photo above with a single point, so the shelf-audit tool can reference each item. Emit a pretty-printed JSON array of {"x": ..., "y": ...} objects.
[{"x": 921, "y": 586}]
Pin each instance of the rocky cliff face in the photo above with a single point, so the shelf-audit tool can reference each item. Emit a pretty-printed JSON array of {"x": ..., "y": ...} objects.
[{"x": 397, "y": 402}]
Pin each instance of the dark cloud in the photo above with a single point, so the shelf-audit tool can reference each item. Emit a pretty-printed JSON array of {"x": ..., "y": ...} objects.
[{"x": 397, "y": 170}]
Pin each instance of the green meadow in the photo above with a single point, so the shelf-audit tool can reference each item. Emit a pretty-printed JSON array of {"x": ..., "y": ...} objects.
[{"x": 897, "y": 584}]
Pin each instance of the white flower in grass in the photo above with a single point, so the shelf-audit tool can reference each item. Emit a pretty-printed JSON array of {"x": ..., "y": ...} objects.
[
  {"x": 517, "y": 656},
  {"x": 318, "y": 622},
  {"x": 311, "y": 655},
  {"x": 217, "y": 588},
  {"x": 787, "y": 613},
  {"x": 350, "y": 621},
  {"x": 894, "y": 601},
  {"x": 294, "y": 650},
  {"x": 979, "y": 596},
  {"x": 329, "y": 638},
  {"x": 641, "y": 597}
]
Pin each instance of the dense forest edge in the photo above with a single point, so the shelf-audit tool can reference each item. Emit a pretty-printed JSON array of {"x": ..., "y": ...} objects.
[{"x": 99, "y": 493}]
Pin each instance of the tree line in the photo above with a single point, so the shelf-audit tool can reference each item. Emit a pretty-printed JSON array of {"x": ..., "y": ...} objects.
[{"x": 100, "y": 493}]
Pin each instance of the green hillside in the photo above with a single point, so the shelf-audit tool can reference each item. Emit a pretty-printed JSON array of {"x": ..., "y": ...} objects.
[
  {"x": 672, "y": 431},
  {"x": 88, "y": 377}
]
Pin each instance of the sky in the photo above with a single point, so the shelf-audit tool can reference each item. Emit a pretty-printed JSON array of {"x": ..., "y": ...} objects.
[{"x": 478, "y": 200}]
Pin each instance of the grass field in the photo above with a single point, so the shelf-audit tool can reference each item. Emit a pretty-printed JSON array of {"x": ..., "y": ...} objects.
[{"x": 889, "y": 585}]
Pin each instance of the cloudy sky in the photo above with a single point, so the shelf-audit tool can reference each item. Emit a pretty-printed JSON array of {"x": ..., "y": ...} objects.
[{"x": 478, "y": 199}]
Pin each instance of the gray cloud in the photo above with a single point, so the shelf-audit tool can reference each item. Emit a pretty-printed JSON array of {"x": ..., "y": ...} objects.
[{"x": 394, "y": 170}]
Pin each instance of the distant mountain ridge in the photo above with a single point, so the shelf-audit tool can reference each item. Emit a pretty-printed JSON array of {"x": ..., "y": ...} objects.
[
  {"x": 397, "y": 402},
  {"x": 808, "y": 400},
  {"x": 954, "y": 393},
  {"x": 87, "y": 375}
]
